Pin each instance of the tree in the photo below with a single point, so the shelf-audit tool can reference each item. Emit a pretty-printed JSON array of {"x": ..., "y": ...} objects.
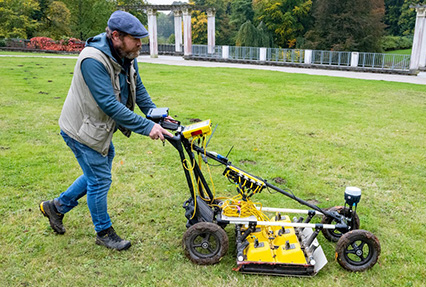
[
  {"x": 138, "y": 13},
  {"x": 16, "y": 18},
  {"x": 241, "y": 12},
  {"x": 89, "y": 17},
  {"x": 407, "y": 19},
  {"x": 199, "y": 27},
  {"x": 392, "y": 14},
  {"x": 41, "y": 13},
  {"x": 265, "y": 37},
  {"x": 347, "y": 25},
  {"x": 225, "y": 31},
  {"x": 285, "y": 19},
  {"x": 250, "y": 36},
  {"x": 247, "y": 35},
  {"x": 58, "y": 20},
  {"x": 165, "y": 25}
]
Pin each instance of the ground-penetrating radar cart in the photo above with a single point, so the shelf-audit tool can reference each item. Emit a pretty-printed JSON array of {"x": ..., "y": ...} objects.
[{"x": 265, "y": 244}]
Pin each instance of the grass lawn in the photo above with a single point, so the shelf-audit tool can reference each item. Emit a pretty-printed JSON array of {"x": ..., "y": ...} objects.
[
  {"x": 400, "y": 52},
  {"x": 318, "y": 133}
]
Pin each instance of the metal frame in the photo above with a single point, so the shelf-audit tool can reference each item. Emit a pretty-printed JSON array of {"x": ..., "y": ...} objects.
[{"x": 181, "y": 144}]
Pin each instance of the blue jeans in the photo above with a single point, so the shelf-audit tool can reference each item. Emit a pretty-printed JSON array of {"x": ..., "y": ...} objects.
[{"x": 95, "y": 183}]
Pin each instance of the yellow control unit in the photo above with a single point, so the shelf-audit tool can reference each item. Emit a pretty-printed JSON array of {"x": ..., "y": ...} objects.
[
  {"x": 244, "y": 179},
  {"x": 197, "y": 130}
]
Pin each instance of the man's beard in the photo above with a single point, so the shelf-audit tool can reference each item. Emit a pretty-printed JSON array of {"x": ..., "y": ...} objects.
[{"x": 128, "y": 55}]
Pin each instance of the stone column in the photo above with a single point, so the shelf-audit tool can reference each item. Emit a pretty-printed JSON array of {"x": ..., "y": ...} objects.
[
  {"x": 178, "y": 30},
  {"x": 187, "y": 32},
  {"x": 211, "y": 30},
  {"x": 152, "y": 30},
  {"x": 418, "y": 52}
]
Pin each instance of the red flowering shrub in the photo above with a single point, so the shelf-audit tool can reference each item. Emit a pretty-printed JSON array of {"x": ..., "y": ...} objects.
[
  {"x": 72, "y": 45},
  {"x": 41, "y": 43},
  {"x": 44, "y": 43}
]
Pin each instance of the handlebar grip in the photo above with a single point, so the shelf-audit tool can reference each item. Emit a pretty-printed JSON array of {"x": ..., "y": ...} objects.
[{"x": 174, "y": 139}]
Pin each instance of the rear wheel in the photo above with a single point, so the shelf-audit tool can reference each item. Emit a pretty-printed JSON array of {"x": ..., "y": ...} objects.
[
  {"x": 334, "y": 234},
  {"x": 358, "y": 250},
  {"x": 205, "y": 243}
]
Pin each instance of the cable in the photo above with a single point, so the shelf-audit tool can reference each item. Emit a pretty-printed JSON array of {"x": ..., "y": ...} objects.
[
  {"x": 191, "y": 169},
  {"x": 237, "y": 207}
]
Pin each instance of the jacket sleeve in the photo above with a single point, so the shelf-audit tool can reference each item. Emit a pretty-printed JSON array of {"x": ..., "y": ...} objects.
[
  {"x": 98, "y": 80},
  {"x": 143, "y": 100}
]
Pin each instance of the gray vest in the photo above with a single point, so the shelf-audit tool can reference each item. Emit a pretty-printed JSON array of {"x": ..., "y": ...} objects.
[{"x": 81, "y": 118}]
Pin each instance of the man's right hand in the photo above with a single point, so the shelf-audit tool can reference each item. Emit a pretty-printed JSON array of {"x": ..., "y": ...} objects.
[{"x": 157, "y": 132}]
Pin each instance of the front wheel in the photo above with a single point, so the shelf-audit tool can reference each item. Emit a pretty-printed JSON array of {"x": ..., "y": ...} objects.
[
  {"x": 358, "y": 250},
  {"x": 205, "y": 243}
]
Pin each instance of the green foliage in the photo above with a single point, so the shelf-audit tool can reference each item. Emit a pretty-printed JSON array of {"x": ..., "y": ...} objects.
[
  {"x": 16, "y": 18},
  {"x": 89, "y": 17},
  {"x": 199, "y": 27},
  {"x": 40, "y": 13},
  {"x": 396, "y": 43},
  {"x": 319, "y": 133},
  {"x": 400, "y": 52},
  {"x": 392, "y": 14},
  {"x": 265, "y": 38},
  {"x": 241, "y": 12},
  {"x": 140, "y": 14},
  {"x": 165, "y": 25},
  {"x": 285, "y": 19},
  {"x": 57, "y": 23},
  {"x": 225, "y": 30},
  {"x": 171, "y": 39},
  {"x": 247, "y": 35},
  {"x": 407, "y": 20},
  {"x": 342, "y": 26},
  {"x": 250, "y": 36}
]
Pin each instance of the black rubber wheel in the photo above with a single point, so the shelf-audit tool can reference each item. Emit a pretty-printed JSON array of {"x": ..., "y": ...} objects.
[
  {"x": 358, "y": 250},
  {"x": 205, "y": 243},
  {"x": 334, "y": 234}
]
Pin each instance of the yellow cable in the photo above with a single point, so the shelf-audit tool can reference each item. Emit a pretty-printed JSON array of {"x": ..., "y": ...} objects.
[
  {"x": 190, "y": 169},
  {"x": 208, "y": 167},
  {"x": 199, "y": 164},
  {"x": 236, "y": 207}
]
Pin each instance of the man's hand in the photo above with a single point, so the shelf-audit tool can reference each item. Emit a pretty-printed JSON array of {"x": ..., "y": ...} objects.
[{"x": 157, "y": 132}]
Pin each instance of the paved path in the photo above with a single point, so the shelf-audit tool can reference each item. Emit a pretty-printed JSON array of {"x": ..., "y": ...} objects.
[{"x": 179, "y": 61}]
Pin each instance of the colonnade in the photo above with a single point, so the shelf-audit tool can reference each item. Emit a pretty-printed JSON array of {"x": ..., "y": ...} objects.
[{"x": 182, "y": 13}]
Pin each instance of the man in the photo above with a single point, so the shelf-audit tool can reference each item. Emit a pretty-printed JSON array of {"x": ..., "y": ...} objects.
[{"x": 105, "y": 88}]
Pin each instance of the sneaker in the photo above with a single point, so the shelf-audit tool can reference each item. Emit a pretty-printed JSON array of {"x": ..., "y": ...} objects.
[
  {"x": 110, "y": 239},
  {"x": 49, "y": 210}
]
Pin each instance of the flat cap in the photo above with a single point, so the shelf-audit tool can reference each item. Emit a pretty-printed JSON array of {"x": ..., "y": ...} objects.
[{"x": 127, "y": 23}]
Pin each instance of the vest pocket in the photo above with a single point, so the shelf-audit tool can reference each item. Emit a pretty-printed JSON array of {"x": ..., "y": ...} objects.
[{"x": 96, "y": 135}]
